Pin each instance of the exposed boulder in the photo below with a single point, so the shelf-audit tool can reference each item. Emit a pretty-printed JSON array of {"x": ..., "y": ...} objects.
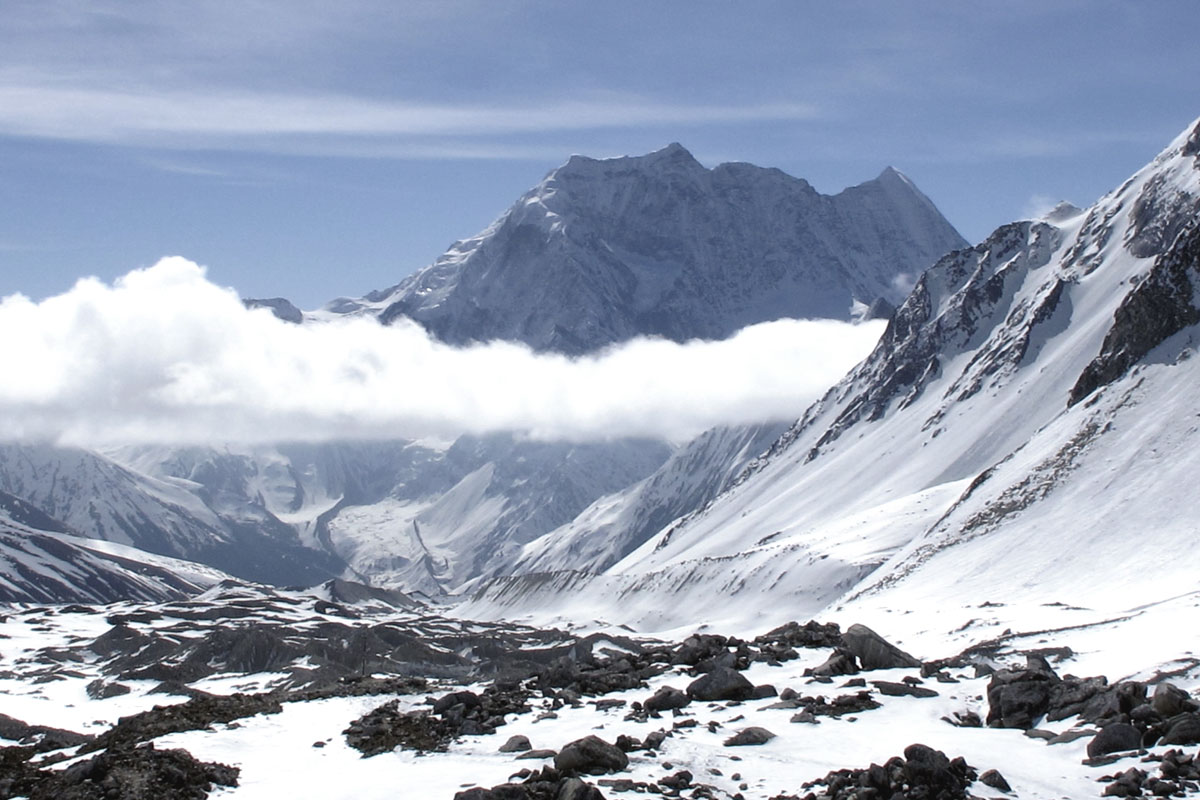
[
  {"x": 666, "y": 699},
  {"x": 875, "y": 652},
  {"x": 721, "y": 683},
  {"x": 1169, "y": 700},
  {"x": 590, "y": 755},
  {"x": 1114, "y": 738},
  {"x": 840, "y": 662},
  {"x": 749, "y": 736},
  {"x": 893, "y": 689},
  {"x": 995, "y": 780},
  {"x": 516, "y": 744},
  {"x": 1019, "y": 697}
]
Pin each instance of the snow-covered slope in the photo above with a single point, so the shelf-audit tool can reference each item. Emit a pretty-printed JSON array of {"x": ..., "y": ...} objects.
[
  {"x": 1024, "y": 432},
  {"x": 615, "y": 525},
  {"x": 604, "y": 250},
  {"x": 43, "y": 561}
]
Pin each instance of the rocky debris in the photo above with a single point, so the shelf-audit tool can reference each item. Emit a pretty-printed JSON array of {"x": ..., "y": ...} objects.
[
  {"x": 584, "y": 673},
  {"x": 1018, "y": 698},
  {"x": 195, "y": 714},
  {"x": 136, "y": 773},
  {"x": 452, "y": 715},
  {"x": 722, "y": 683},
  {"x": 322, "y": 644},
  {"x": 710, "y": 649},
  {"x": 922, "y": 774},
  {"x": 892, "y": 689},
  {"x": 873, "y": 651},
  {"x": 673, "y": 785},
  {"x": 590, "y": 755},
  {"x": 537, "y": 755},
  {"x": 516, "y": 744},
  {"x": 100, "y": 689},
  {"x": 964, "y": 719},
  {"x": 386, "y": 728},
  {"x": 1178, "y": 775},
  {"x": 749, "y": 736},
  {"x": 548, "y": 784},
  {"x": 39, "y": 738},
  {"x": 840, "y": 706},
  {"x": 781, "y": 643}
]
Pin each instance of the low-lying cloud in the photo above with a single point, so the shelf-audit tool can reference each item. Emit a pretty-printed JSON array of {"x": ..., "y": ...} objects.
[{"x": 165, "y": 356}]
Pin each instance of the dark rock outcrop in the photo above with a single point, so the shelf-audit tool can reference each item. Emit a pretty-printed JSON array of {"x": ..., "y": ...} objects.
[
  {"x": 136, "y": 773},
  {"x": 922, "y": 774}
]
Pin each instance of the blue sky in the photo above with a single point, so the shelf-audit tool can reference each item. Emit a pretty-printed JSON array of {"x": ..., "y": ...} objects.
[{"x": 313, "y": 149}]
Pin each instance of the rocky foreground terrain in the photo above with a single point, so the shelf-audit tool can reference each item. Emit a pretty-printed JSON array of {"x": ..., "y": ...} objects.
[{"x": 348, "y": 692}]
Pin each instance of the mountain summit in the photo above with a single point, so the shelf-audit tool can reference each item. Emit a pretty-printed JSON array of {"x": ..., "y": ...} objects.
[{"x": 603, "y": 250}]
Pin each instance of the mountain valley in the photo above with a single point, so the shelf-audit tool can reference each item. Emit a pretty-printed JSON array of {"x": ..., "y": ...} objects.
[{"x": 962, "y": 572}]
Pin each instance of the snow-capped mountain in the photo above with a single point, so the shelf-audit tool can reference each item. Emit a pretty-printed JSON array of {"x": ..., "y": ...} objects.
[
  {"x": 599, "y": 251},
  {"x": 423, "y": 516},
  {"x": 44, "y": 561},
  {"x": 1024, "y": 433},
  {"x": 106, "y": 500},
  {"x": 604, "y": 250}
]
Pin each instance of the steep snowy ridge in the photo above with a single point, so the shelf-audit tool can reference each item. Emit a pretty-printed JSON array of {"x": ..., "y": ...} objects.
[
  {"x": 105, "y": 500},
  {"x": 955, "y": 447},
  {"x": 42, "y": 561},
  {"x": 604, "y": 250}
]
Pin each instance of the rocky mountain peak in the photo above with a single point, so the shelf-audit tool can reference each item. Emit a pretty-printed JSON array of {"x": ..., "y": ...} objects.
[{"x": 603, "y": 250}]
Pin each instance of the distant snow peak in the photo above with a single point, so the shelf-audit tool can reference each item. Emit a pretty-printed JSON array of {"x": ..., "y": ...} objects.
[{"x": 605, "y": 250}]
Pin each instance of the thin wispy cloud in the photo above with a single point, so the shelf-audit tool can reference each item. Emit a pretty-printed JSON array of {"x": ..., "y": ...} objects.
[
  {"x": 164, "y": 355},
  {"x": 223, "y": 117}
]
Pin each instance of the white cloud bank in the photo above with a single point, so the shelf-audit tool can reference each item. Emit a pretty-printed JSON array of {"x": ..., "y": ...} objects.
[{"x": 165, "y": 356}]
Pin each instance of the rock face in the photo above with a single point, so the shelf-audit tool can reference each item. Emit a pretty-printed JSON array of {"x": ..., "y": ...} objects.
[
  {"x": 1162, "y": 305},
  {"x": 604, "y": 250}
]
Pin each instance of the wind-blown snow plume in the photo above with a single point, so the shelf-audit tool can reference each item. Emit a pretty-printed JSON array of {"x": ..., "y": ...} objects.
[{"x": 163, "y": 355}]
